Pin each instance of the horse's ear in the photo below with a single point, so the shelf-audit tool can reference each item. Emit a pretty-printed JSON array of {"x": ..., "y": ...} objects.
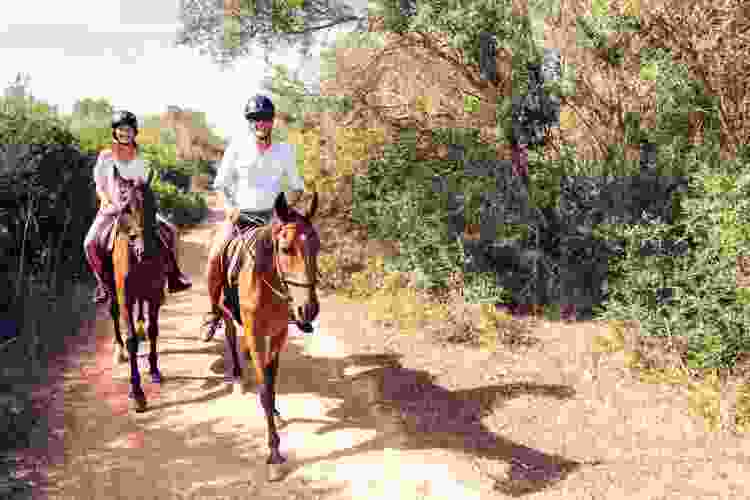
[
  {"x": 281, "y": 208},
  {"x": 313, "y": 207}
]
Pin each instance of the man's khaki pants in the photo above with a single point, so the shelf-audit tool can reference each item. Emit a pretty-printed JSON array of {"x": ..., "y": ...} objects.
[{"x": 214, "y": 273}]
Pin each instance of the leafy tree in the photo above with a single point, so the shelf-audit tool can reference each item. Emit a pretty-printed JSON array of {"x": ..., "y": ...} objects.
[
  {"x": 92, "y": 109},
  {"x": 228, "y": 31},
  {"x": 291, "y": 95}
]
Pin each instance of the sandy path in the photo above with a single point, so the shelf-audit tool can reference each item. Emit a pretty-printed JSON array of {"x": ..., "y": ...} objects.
[
  {"x": 373, "y": 414},
  {"x": 200, "y": 440}
]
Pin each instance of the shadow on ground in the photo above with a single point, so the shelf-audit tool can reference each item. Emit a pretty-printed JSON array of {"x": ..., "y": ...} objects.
[
  {"x": 109, "y": 452},
  {"x": 408, "y": 411}
]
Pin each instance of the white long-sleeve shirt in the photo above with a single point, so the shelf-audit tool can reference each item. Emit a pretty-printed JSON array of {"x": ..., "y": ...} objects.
[{"x": 251, "y": 180}]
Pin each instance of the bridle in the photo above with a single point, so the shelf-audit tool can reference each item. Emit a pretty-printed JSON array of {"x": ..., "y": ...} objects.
[
  {"x": 286, "y": 282},
  {"x": 135, "y": 225}
]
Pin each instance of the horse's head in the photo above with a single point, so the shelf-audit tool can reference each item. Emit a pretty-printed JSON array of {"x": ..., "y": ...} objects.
[
  {"x": 296, "y": 248},
  {"x": 137, "y": 200}
]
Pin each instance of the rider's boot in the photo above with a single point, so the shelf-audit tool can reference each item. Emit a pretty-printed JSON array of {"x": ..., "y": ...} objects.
[
  {"x": 214, "y": 317},
  {"x": 97, "y": 262},
  {"x": 101, "y": 296},
  {"x": 211, "y": 323},
  {"x": 176, "y": 280}
]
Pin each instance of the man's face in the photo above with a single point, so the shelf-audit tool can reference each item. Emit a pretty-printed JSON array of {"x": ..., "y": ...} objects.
[{"x": 263, "y": 129}]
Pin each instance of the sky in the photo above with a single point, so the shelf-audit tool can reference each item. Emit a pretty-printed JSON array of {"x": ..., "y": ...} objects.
[{"x": 123, "y": 50}]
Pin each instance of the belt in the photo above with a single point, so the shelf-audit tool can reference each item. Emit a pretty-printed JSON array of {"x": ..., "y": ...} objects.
[
  {"x": 255, "y": 217},
  {"x": 256, "y": 212}
]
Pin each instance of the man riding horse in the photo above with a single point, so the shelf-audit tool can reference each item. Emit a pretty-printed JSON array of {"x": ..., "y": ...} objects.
[
  {"x": 125, "y": 156},
  {"x": 249, "y": 178}
]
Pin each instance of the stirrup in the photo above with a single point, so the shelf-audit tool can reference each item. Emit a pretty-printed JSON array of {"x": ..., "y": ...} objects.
[{"x": 211, "y": 324}]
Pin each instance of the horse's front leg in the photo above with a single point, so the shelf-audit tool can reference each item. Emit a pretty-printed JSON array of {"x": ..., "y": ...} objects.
[
  {"x": 272, "y": 371},
  {"x": 136, "y": 391},
  {"x": 265, "y": 374},
  {"x": 268, "y": 400},
  {"x": 120, "y": 352},
  {"x": 153, "y": 335}
]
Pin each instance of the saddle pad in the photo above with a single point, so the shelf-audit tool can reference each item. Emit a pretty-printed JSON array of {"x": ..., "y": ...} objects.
[{"x": 238, "y": 247}]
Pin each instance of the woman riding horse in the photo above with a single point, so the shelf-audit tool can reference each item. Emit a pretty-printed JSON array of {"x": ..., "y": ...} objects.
[
  {"x": 139, "y": 263},
  {"x": 249, "y": 177},
  {"x": 131, "y": 166}
]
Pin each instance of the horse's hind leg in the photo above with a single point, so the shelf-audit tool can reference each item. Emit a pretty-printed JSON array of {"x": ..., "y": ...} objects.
[
  {"x": 140, "y": 325},
  {"x": 153, "y": 335}
]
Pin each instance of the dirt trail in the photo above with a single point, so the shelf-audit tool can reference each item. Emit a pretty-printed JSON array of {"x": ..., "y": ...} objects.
[{"x": 374, "y": 414}]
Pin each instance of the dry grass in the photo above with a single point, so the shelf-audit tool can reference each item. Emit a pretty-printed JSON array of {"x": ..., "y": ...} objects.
[{"x": 661, "y": 361}]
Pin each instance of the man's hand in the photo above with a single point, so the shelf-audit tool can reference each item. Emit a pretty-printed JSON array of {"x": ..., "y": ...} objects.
[{"x": 293, "y": 197}]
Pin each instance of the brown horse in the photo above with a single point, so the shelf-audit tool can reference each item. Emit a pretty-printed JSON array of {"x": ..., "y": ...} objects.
[
  {"x": 139, "y": 264},
  {"x": 276, "y": 285}
]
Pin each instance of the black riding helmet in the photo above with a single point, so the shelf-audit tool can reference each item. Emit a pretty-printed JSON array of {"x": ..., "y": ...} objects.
[
  {"x": 120, "y": 118},
  {"x": 259, "y": 107}
]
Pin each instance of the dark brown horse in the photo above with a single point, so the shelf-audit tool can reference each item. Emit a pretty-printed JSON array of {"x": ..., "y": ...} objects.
[
  {"x": 276, "y": 284},
  {"x": 139, "y": 264}
]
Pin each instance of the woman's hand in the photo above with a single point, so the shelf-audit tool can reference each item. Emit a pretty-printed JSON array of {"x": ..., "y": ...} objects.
[{"x": 104, "y": 200}]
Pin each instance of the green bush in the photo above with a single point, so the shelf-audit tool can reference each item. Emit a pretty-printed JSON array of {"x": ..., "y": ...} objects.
[
  {"x": 705, "y": 306},
  {"x": 47, "y": 200},
  {"x": 180, "y": 208},
  {"x": 396, "y": 201}
]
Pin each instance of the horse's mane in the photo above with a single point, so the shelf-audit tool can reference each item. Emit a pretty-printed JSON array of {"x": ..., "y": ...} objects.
[{"x": 149, "y": 215}]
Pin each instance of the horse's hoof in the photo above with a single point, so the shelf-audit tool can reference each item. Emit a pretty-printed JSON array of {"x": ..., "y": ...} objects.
[
  {"x": 276, "y": 472},
  {"x": 138, "y": 402},
  {"x": 120, "y": 355},
  {"x": 156, "y": 377}
]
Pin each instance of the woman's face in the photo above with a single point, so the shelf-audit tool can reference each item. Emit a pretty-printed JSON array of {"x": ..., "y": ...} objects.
[{"x": 125, "y": 134}]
